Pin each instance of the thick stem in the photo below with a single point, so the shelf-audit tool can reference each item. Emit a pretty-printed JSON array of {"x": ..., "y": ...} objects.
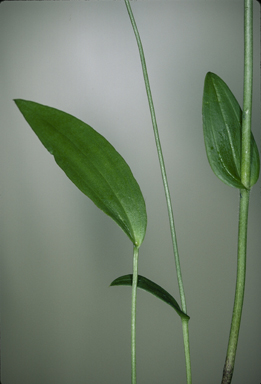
[
  {"x": 240, "y": 287},
  {"x": 165, "y": 184},
  {"x": 133, "y": 314},
  {"x": 248, "y": 91},
  {"x": 244, "y": 193},
  {"x": 185, "y": 329}
]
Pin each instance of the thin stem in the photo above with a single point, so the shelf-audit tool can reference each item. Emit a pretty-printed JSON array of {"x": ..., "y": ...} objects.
[
  {"x": 160, "y": 155},
  {"x": 165, "y": 184},
  {"x": 244, "y": 194},
  {"x": 133, "y": 314},
  {"x": 240, "y": 287}
]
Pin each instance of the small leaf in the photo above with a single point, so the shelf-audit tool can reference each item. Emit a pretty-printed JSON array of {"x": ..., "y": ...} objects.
[
  {"x": 92, "y": 164},
  {"x": 154, "y": 289},
  {"x": 222, "y": 125}
]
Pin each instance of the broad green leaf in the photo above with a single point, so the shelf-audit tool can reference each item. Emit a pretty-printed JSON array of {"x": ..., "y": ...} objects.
[
  {"x": 222, "y": 126},
  {"x": 153, "y": 288},
  {"x": 92, "y": 164}
]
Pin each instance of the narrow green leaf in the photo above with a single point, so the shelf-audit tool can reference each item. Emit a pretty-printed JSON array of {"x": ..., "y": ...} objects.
[
  {"x": 152, "y": 288},
  {"x": 92, "y": 164},
  {"x": 222, "y": 126}
]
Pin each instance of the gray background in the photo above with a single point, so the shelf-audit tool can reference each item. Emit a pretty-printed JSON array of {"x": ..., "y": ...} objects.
[{"x": 60, "y": 321}]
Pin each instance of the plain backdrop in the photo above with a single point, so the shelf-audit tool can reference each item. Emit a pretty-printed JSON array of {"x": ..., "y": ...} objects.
[{"x": 61, "y": 323}]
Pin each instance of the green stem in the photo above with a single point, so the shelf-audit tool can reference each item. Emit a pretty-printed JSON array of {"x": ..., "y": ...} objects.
[
  {"x": 248, "y": 86},
  {"x": 244, "y": 194},
  {"x": 166, "y": 187},
  {"x": 240, "y": 287},
  {"x": 133, "y": 314},
  {"x": 185, "y": 329}
]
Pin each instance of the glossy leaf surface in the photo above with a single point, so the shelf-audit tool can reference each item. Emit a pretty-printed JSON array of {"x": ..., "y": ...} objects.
[
  {"x": 92, "y": 164},
  {"x": 222, "y": 126},
  {"x": 154, "y": 289}
]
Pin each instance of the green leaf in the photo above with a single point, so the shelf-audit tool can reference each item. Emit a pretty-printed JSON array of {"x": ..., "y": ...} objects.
[
  {"x": 222, "y": 126},
  {"x": 154, "y": 289},
  {"x": 92, "y": 164}
]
